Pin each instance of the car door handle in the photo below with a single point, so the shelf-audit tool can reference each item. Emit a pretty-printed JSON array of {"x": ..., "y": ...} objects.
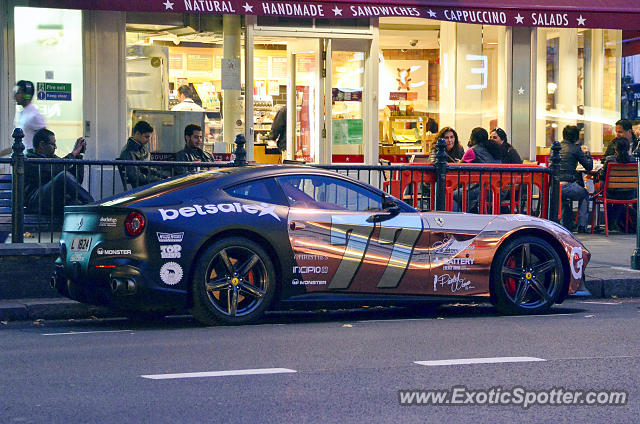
[{"x": 296, "y": 226}]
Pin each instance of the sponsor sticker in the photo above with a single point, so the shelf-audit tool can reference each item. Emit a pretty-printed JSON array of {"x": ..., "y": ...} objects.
[
  {"x": 456, "y": 264},
  {"x": 101, "y": 251},
  {"x": 297, "y": 282},
  {"x": 576, "y": 262},
  {"x": 310, "y": 269},
  {"x": 170, "y": 237},
  {"x": 108, "y": 222},
  {"x": 235, "y": 207},
  {"x": 76, "y": 257},
  {"x": 171, "y": 273},
  {"x": 310, "y": 257},
  {"x": 170, "y": 251}
]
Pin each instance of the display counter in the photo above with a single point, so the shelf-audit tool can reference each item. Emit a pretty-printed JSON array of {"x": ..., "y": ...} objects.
[{"x": 262, "y": 153}]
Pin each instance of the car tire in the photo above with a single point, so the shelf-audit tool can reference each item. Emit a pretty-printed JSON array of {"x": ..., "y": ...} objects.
[
  {"x": 526, "y": 277},
  {"x": 233, "y": 284}
]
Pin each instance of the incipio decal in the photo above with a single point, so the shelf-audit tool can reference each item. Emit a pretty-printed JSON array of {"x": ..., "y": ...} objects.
[
  {"x": 170, "y": 251},
  {"x": 235, "y": 207},
  {"x": 108, "y": 222},
  {"x": 101, "y": 251},
  {"x": 310, "y": 269},
  {"x": 171, "y": 273},
  {"x": 170, "y": 237},
  {"x": 576, "y": 262}
]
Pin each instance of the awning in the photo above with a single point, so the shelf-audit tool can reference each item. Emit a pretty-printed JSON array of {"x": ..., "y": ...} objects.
[{"x": 616, "y": 14}]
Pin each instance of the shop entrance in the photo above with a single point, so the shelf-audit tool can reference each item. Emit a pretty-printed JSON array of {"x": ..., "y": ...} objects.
[{"x": 324, "y": 82}]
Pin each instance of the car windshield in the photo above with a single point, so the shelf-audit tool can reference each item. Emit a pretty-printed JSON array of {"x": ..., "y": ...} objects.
[{"x": 169, "y": 185}]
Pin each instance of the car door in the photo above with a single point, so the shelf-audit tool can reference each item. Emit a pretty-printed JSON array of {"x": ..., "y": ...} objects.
[{"x": 344, "y": 241}]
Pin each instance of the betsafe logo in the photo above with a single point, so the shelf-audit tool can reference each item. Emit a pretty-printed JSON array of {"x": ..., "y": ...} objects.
[{"x": 190, "y": 211}]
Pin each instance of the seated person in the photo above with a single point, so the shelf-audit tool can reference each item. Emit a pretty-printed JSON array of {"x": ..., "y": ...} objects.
[
  {"x": 481, "y": 150},
  {"x": 615, "y": 213},
  {"x": 508, "y": 153},
  {"x": 192, "y": 151},
  {"x": 454, "y": 150},
  {"x": 136, "y": 149},
  {"x": 572, "y": 186},
  {"x": 56, "y": 185}
]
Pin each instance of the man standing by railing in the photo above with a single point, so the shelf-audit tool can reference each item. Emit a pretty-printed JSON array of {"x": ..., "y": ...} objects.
[
  {"x": 48, "y": 184},
  {"x": 136, "y": 149},
  {"x": 571, "y": 154},
  {"x": 192, "y": 151}
]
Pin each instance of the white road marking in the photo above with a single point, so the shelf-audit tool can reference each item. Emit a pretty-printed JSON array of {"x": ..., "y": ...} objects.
[
  {"x": 469, "y": 361},
  {"x": 603, "y": 303},
  {"x": 219, "y": 373},
  {"x": 540, "y": 315},
  {"x": 73, "y": 333}
]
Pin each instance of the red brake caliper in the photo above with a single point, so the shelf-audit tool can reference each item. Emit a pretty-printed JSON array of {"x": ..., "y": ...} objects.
[{"x": 510, "y": 282}]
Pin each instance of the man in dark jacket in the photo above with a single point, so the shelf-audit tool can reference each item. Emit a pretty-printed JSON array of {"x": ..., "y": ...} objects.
[
  {"x": 624, "y": 128},
  {"x": 571, "y": 154},
  {"x": 53, "y": 185},
  {"x": 136, "y": 149},
  {"x": 192, "y": 151},
  {"x": 279, "y": 129}
]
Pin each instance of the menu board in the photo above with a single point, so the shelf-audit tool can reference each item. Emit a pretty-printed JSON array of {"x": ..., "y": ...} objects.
[{"x": 347, "y": 131}]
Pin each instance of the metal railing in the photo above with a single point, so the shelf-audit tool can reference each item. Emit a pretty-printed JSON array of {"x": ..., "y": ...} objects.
[{"x": 533, "y": 190}]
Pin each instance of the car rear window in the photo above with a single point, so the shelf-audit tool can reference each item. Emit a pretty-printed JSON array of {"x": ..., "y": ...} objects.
[
  {"x": 169, "y": 185},
  {"x": 263, "y": 190}
]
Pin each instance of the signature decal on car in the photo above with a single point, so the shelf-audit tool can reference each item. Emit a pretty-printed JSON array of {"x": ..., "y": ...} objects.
[
  {"x": 171, "y": 273},
  {"x": 235, "y": 207},
  {"x": 576, "y": 262},
  {"x": 170, "y": 237},
  {"x": 454, "y": 283}
]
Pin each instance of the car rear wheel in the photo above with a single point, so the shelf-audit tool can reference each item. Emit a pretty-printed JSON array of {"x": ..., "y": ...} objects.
[
  {"x": 526, "y": 277},
  {"x": 234, "y": 283}
]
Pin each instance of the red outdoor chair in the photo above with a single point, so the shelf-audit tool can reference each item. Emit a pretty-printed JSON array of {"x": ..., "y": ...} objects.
[{"x": 619, "y": 176}]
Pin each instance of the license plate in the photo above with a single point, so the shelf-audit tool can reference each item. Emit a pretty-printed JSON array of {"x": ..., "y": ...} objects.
[{"x": 80, "y": 244}]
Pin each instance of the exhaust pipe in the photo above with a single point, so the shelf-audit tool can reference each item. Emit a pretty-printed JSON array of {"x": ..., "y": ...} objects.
[{"x": 119, "y": 286}]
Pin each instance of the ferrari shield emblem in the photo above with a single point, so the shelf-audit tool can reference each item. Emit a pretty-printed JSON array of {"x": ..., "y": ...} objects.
[{"x": 439, "y": 221}]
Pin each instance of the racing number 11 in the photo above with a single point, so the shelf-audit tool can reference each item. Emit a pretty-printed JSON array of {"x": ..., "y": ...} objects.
[{"x": 355, "y": 232}]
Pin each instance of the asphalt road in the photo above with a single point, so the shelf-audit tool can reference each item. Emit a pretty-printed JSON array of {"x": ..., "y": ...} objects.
[{"x": 328, "y": 367}]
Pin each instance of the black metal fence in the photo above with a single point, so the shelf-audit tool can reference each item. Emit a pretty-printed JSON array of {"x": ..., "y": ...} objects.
[{"x": 533, "y": 190}]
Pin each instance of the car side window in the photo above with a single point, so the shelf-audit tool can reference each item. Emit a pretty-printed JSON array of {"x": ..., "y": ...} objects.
[
  {"x": 263, "y": 190},
  {"x": 314, "y": 191}
]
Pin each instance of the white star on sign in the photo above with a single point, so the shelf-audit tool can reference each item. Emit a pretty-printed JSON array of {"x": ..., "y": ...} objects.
[
  {"x": 520, "y": 91},
  {"x": 247, "y": 8},
  {"x": 268, "y": 210},
  {"x": 337, "y": 11},
  {"x": 431, "y": 13},
  {"x": 168, "y": 5},
  {"x": 581, "y": 20},
  {"x": 519, "y": 19}
]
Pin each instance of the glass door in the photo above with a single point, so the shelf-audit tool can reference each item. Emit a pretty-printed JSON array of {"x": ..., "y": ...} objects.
[
  {"x": 305, "y": 100},
  {"x": 346, "y": 112}
]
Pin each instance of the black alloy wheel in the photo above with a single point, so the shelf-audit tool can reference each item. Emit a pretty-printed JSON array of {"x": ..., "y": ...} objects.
[
  {"x": 527, "y": 276},
  {"x": 233, "y": 284}
]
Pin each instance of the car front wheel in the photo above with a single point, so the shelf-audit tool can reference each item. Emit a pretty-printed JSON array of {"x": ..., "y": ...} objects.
[
  {"x": 234, "y": 283},
  {"x": 526, "y": 277}
]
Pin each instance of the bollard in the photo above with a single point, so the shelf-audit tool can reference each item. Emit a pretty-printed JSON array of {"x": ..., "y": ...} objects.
[
  {"x": 441, "y": 174},
  {"x": 241, "y": 152},
  {"x": 554, "y": 192},
  {"x": 635, "y": 257},
  {"x": 17, "y": 189}
]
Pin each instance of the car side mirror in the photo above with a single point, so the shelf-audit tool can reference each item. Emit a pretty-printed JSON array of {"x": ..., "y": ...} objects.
[{"x": 391, "y": 209}]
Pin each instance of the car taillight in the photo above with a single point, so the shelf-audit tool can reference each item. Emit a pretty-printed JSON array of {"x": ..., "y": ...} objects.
[{"x": 134, "y": 224}]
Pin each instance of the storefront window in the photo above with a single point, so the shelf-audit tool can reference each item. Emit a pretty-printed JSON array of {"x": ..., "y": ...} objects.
[
  {"x": 435, "y": 74},
  {"x": 579, "y": 84},
  {"x": 167, "y": 52},
  {"x": 48, "y": 52}
]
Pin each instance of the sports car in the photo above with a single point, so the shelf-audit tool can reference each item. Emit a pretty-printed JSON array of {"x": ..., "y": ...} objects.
[{"x": 232, "y": 243}]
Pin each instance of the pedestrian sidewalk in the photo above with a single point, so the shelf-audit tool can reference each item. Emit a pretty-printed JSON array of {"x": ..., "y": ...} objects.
[{"x": 608, "y": 275}]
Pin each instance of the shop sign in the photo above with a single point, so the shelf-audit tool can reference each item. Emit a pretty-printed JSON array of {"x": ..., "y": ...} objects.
[
  {"x": 617, "y": 14},
  {"x": 346, "y": 95},
  {"x": 54, "y": 91}
]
